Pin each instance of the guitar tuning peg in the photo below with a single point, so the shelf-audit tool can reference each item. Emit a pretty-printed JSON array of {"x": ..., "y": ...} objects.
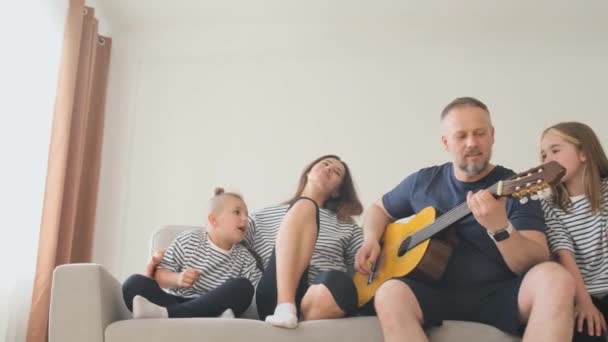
[{"x": 523, "y": 200}]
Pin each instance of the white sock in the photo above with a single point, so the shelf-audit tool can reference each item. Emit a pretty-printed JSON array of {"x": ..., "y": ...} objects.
[
  {"x": 227, "y": 314},
  {"x": 143, "y": 308},
  {"x": 285, "y": 316}
]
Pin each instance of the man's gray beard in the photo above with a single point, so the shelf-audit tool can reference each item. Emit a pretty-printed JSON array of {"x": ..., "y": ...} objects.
[{"x": 473, "y": 169}]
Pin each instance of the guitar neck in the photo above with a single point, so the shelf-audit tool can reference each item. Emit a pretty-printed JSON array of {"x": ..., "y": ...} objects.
[{"x": 443, "y": 222}]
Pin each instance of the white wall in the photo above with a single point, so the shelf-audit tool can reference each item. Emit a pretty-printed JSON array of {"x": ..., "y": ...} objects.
[
  {"x": 245, "y": 97},
  {"x": 31, "y": 33}
]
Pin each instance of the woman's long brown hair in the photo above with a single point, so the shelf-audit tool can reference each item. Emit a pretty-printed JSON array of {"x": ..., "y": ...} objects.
[{"x": 347, "y": 203}]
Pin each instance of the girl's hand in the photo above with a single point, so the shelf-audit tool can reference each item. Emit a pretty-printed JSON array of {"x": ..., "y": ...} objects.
[
  {"x": 187, "y": 277},
  {"x": 587, "y": 312},
  {"x": 157, "y": 257},
  {"x": 154, "y": 261}
]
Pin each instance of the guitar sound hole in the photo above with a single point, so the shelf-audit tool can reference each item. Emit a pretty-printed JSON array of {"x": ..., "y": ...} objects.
[{"x": 404, "y": 246}]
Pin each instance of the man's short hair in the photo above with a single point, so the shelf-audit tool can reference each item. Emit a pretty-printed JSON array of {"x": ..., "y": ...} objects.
[{"x": 463, "y": 102}]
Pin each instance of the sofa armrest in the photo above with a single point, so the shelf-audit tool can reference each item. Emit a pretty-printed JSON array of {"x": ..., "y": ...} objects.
[{"x": 85, "y": 299}]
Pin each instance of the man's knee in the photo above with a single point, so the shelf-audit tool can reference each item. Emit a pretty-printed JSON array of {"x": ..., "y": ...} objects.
[
  {"x": 551, "y": 278},
  {"x": 549, "y": 288},
  {"x": 394, "y": 296},
  {"x": 319, "y": 303}
]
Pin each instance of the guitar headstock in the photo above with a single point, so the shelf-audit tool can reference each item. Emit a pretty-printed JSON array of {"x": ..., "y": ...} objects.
[{"x": 531, "y": 182}]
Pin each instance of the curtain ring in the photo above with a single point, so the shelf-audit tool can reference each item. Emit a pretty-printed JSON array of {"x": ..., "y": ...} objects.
[
  {"x": 85, "y": 11},
  {"x": 101, "y": 41}
]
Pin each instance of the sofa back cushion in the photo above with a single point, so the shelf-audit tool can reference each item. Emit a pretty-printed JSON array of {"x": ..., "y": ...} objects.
[{"x": 162, "y": 238}]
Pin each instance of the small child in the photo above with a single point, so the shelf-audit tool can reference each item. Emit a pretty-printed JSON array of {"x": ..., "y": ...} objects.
[
  {"x": 208, "y": 273},
  {"x": 576, "y": 214}
]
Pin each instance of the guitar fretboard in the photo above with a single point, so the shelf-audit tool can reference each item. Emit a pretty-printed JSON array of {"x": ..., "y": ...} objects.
[{"x": 440, "y": 224}]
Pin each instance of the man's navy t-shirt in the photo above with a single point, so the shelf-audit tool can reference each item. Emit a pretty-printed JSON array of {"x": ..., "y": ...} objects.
[{"x": 475, "y": 260}]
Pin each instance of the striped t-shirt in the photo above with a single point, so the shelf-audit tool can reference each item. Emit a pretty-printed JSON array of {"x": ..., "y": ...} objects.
[
  {"x": 583, "y": 233},
  {"x": 194, "y": 249},
  {"x": 335, "y": 249}
]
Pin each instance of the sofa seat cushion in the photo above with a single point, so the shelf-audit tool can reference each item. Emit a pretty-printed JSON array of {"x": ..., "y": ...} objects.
[{"x": 364, "y": 329}]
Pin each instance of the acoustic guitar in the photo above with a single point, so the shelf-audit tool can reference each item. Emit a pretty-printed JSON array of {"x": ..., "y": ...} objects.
[{"x": 422, "y": 247}]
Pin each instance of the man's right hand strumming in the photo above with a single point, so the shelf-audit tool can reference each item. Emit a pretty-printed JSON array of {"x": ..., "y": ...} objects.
[{"x": 367, "y": 255}]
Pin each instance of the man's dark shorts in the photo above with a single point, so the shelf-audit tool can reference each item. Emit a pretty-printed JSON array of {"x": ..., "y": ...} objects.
[{"x": 494, "y": 304}]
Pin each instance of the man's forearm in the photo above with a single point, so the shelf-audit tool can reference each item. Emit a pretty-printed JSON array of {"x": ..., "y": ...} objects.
[
  {"x": 521, "y": 253},
  {"x": 375, "y": 222}
]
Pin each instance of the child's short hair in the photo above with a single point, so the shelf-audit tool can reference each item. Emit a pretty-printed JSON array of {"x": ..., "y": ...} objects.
[{"x": 217, "y": 201}]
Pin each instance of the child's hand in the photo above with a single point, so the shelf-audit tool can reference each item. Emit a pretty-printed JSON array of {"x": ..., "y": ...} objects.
[
  {"x": 151, "y": 266},
  {"x": 587, "y": 312},
  {"x": 157, "y": 257},
  {"x": 187, "y": 277}
]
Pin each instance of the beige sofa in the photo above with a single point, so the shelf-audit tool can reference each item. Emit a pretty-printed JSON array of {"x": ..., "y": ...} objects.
[{"x": 87, "y": 305}]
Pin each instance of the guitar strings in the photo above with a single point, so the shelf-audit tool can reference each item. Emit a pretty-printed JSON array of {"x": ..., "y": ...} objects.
[{"x": 444, "y": 220}]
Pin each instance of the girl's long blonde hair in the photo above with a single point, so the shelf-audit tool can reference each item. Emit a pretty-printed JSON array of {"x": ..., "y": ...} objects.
[{"x": 596, "y": 167}]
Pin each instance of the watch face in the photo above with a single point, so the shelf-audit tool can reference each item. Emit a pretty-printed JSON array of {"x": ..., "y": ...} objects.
[{"x": 501, "y": 235}]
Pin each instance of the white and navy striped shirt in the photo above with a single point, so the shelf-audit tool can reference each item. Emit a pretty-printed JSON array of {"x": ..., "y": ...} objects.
[
  {"x": 583, "y": 233},
  {"x": 335, "y": 249},
  {"x": 194, "y": 249}
]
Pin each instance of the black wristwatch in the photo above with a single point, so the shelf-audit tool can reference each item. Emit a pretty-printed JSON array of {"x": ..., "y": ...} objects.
[{"x": 502, "y": 234}]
